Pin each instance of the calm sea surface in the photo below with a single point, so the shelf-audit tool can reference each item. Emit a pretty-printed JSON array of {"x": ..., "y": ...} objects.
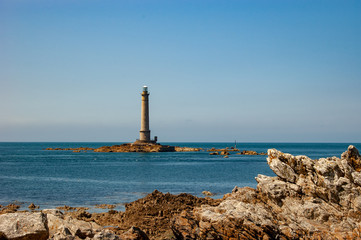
[{"x": 54, "y": 178}]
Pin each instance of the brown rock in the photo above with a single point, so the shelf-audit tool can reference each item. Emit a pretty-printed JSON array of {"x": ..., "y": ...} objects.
[
  {"x": 66, "y": 208},
  {"x": 10, "y": 208},
  {"x": 32, "y": 206},
  {"x": 134, "y": 233},
  {"x": 353, "y": 158},
  {"x": 214, "y": 153},
  {"x": 207, "y": 193},
  {"x": 3, "y": 236},
  {"x": 152, "y": 214},
  {"x": 225, "y": 152},
  {"x": 104, "y": 206},
  {"x": 184, "y": 225}
]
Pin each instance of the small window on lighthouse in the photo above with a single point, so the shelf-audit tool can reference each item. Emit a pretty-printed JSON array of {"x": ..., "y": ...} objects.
[{"x": 145, "y": 89}]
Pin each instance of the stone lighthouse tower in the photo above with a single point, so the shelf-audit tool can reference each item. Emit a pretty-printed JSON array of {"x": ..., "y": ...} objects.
[{"x": 144, "y": 133}]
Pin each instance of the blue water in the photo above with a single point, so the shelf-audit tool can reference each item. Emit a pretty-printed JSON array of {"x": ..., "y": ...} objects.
[{"x": 54, "y": 178}]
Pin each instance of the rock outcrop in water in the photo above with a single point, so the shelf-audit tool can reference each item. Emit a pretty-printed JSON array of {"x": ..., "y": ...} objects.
[
  {"x": 308, "y": 199},
  {"x": 129, "y": 147}
]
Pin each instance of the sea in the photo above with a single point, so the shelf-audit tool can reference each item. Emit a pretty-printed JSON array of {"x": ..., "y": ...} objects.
[{"x": 31, "y": 174}]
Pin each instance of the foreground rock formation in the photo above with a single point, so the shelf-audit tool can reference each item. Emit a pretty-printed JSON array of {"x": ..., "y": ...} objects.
[
  {"x": 49, "y": 224},
  {"x": 129, "y": 147},
  {"x": 145, "y": 218},
  {"x": 308, "y": 199}
]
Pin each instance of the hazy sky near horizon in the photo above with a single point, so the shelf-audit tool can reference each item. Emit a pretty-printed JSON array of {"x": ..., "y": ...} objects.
[{"x": 247, "y": 70}]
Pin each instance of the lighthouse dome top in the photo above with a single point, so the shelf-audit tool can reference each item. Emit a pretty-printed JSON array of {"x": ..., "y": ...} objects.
[{"x": 145, "y": 89}]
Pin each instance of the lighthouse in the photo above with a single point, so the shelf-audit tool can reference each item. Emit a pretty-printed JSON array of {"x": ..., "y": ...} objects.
[{"x": 144, "y": 133}]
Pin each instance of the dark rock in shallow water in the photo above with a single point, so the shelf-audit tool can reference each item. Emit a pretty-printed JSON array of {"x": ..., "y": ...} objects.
[{"x": 249, "y": 152}]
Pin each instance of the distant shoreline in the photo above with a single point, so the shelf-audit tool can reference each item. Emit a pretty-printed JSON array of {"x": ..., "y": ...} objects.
[{"x": 148, "y": 148}]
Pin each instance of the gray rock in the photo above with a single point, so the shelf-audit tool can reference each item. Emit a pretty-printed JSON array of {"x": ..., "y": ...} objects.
[
  {"x": 106, "y": 234},
  {"x": 279, "y": 167},
  {"x": 50, "y": 224},
  {"x": 276, "y": 189},
  {"x": 24, "y": 225},
  {"x": 58, "y": 226},
  {"x": 55, "y": 212},
  {"x": 309, "y": 199}
]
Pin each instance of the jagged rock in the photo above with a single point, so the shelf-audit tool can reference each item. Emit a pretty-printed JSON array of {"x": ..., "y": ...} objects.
[
  {"x": 54, "y": 212},
  {"x": 184, "y": 226},
  {"x": 353, "y": 158},
  {"x": 10, "y": 208},
  {"x": 280, "y": 164},
  {"x": 106, "y": 234},
  {"x": 32, "y": 206},
  {"x": 24, "y": 225},
  {"x": 250, "y": 152},
  {"x": 207, "y": 193},
  {"x": 134, "y": 233},
  {"x": 151, "y": 214},
  {"x": 225, "y": 152},
  {"x": 309, "y": 199},
  {"x": 60, "y": 226},
  {"x": 3, "y": 236},
  {"x": 50, "y": 224},
  {"x": 104, "y": 206}
]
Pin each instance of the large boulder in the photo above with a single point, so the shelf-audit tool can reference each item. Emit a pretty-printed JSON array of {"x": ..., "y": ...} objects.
[
  {"x": 24, "y": 226},
  {"x": 50, "y": 224},
  {"x": 68, "y": 227}
]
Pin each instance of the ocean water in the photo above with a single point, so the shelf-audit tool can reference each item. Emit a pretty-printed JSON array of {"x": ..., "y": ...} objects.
[{"x": 30, "y": 174}]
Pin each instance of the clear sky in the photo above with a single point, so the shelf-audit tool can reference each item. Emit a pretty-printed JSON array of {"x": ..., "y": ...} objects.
[{"x": 246, "y": 70}]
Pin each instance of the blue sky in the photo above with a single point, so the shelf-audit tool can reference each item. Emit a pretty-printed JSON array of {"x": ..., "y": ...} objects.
[{"x": 251, "y": 71}]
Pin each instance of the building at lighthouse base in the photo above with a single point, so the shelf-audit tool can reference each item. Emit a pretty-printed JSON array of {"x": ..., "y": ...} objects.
[{"x": 146, "y": 142}]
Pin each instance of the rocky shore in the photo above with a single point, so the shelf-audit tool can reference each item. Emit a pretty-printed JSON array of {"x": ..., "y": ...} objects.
[{"x": 308, "y": 199}]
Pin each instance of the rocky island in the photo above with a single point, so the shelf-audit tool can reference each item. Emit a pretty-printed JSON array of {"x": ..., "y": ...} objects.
[
  {"x": 307, "y": 199},
  {"x": 130, "y": 147}
]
